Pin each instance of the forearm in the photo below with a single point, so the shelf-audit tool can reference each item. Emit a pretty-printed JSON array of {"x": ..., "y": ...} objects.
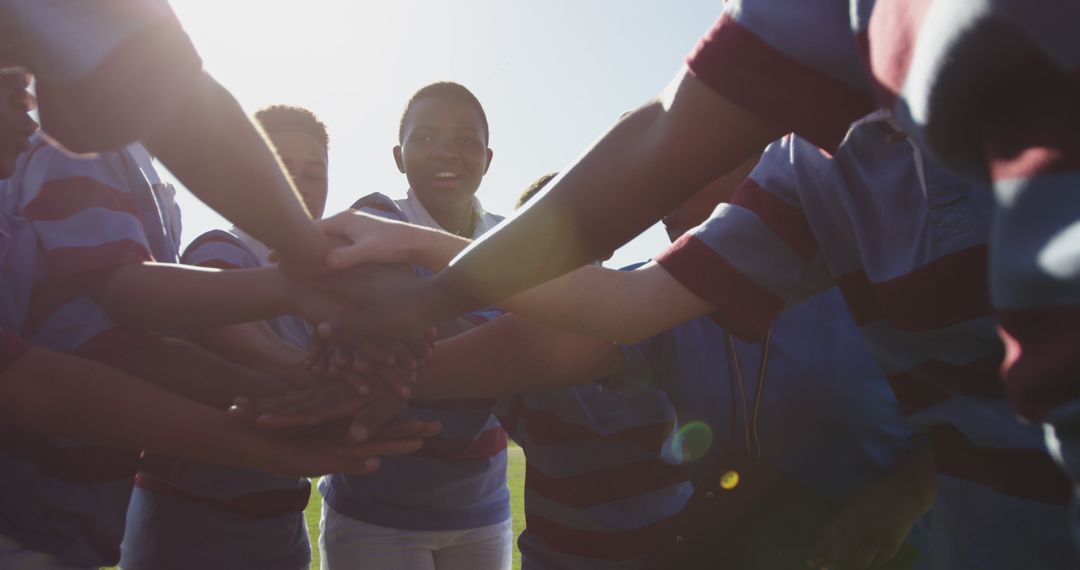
[
  {"x": 191, "y": 371},
  {"x": 181, "y": 299},
  {"x": 650, "y": 162},
  {"x": 510, "y": 355},
  {"x": 216, "y": 151},
  {"x": 254, "y": 345},
  {"x": 622, "y": 306},
  {"x": 64, "y": 396}
]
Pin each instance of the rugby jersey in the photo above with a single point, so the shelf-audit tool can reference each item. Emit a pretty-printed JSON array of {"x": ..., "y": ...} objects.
[
  {"x": 87, "y": 214},
  {"x": 458, "y": 479},
  {"x": 990, "y": 88},
  {"x": 905, "y": 242},
  {"x": 18, "y": 256},
  {"x": 185, "y": 514},
  {"x": 108, "y": 71},
  {"x": 601, "y": 476}
]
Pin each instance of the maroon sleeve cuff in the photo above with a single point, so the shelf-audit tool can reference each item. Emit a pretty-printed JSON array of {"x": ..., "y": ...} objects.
[
  {"x": 742, "y": 306},
  {"x": 744, "y": 69}
]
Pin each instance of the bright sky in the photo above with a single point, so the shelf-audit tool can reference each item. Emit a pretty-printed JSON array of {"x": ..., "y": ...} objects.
[{"x": 552, "y": 75}]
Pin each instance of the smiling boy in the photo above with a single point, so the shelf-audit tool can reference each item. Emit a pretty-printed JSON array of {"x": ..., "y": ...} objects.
[{"x": 447, "y": 506}]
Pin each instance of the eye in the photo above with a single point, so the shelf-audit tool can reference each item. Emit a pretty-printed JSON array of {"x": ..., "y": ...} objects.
[{"x": 421, "y": 139}]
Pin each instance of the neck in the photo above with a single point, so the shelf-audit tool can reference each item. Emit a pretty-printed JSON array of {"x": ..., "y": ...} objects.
[{"x": 456, "y": 219}]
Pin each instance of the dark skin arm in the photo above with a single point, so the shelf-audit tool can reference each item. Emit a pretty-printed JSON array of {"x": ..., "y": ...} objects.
[
  {"x": 61, "y": 395},
  {"x": 219, "y": 154},
  {"x": 506, "y": 356},
  {"x": 650, "y": 161}
]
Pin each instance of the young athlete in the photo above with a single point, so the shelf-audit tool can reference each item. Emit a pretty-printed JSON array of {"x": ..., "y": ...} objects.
[
  {"x": 101, "y": 225},
  {"x": 989, "y": 88},
  {"x": 189, "y": 515},
  {"x": 600, "y": 488},
  {"x": 109, "y": 74},
  {"x": 99, "y": 403},
  {"x": 908, "y": 257},
  {"x": 447, "y": 506}
]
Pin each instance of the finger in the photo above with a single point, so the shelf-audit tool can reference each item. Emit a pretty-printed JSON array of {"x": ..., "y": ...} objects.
[
  {"x": 409, "y": 428},
  {"x": 375, "y": 415},
  {"x": 360, "y": 383},
  {"x": 373, "y": 352},
  {"x": 419, "y": 349}
]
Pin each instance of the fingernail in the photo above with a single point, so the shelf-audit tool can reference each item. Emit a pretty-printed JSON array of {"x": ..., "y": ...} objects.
[
  {"x": 324, "y": 330},
  {"x": 405, "y": 392},
  {"x": 358, "y": 432}
]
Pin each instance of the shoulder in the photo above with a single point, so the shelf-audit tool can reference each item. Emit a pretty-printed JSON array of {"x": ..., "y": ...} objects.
[
  {"x": 380, "y": 204},
  {"x": 220, "y": 249}
]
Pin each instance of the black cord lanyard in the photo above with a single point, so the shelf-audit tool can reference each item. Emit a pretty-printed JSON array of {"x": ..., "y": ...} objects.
[{"x": 750, "y": 422}]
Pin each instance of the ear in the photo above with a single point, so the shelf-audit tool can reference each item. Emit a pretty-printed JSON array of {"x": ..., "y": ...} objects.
[
  {"x": 398, "y": 160},
  {"x": 490, "y": 155}
]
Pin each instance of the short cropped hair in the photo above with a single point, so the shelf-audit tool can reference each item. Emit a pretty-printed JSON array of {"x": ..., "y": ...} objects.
[
  {"x": 443, "y": 90},
  {"x": 281, "y": 118},
  {"x": 534, "y": 189}
]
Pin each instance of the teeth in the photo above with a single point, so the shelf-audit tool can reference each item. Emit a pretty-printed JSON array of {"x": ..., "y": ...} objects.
[{"x": 445, "y": 175}]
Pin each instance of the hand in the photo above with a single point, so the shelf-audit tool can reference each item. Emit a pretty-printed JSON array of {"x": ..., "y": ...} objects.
[
  {"x": 871, "y": 528},
  {"x": 373, "y": 239},
  {"x": 312, "y": 456},
  {"x": 328, "y": 403},
  {"x": 360, "y": 286}
]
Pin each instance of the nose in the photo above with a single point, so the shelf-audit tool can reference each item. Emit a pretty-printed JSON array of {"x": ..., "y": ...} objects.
[{"x": 444, "y": 148}]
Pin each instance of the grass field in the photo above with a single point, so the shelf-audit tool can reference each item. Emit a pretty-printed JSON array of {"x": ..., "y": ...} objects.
[{"x": 515, "y": 479}]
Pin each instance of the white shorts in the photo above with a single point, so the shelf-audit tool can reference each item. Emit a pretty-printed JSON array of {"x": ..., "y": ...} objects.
[{"x": 348, "y": 544}]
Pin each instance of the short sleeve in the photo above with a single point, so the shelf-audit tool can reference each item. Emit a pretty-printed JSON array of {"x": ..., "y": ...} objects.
[
  {"x": 108, "y": 71},
  {"x": 82, "y": 211},
  {"x": 793, "y": 63},
  {"x": 756, "y": 256},
  {"x": 220, "y": 250}
]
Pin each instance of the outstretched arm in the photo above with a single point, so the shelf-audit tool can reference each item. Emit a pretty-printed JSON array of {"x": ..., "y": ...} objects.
[
  {"x": 624, "y": 306},
  {"x": 219, "y": 154},
  {"x": 61, "y": 395},
  {"x": 648, "y": 163},
  {"x": 182, "y": 298}
]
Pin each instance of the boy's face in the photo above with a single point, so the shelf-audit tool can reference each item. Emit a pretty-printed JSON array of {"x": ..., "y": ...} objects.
[
  {"x": 444, "y": 152},
  {"x": 305, "y": 159},
  {"x": 16, "y": 126}
]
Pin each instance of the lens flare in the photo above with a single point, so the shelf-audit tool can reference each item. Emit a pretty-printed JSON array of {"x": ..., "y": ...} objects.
[
  {"x": 729, "y": 480},
  {"x": 693, "y": 440}
]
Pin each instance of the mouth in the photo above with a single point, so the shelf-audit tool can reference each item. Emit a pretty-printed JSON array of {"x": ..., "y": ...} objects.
[{"x": 445, "y": 179}]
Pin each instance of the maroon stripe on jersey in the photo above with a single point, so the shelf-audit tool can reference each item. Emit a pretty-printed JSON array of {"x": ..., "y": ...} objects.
[
  {"x": 598, "y": 545},
  {"x": 488, "y": 444},
  {"x": 1024, "y": 473},
  {"x": 791, "y": 96},
  {"x": 546, "y": 428},
  {"x": 894, "y": 27},
  {"x": 71, "y": 261},
  {"x": 745, "y": 308},
  {"x": 12, "y": 348},
  {"x": 785, "y": 220},
  {"x": 65, "y": 197},
  {"x": 934, "y": 381},
  {"x": 1042, "y": 361},
  {"x": 947, "y": 291},
  {"x": 859, "y": 295},
  {"x": 598, "y": 486}
]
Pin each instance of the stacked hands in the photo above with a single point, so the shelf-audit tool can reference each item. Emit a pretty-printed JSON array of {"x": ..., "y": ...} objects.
[{"x": 355, "y": 383}]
